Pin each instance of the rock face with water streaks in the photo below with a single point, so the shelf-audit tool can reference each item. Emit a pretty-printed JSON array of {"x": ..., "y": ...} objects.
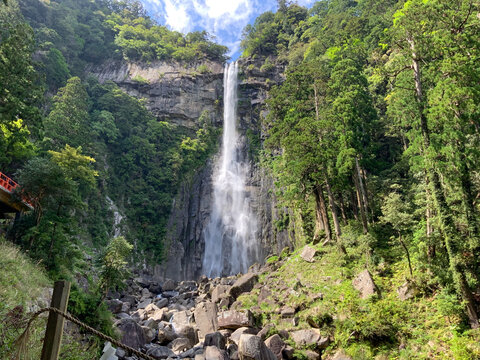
[{"x": 180, "y": 94}]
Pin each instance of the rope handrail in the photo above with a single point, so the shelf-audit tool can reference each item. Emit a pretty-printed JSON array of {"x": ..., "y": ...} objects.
[{"x": 84, "y": 326}]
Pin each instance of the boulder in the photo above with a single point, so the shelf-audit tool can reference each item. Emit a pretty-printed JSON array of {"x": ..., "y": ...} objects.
[
  {"x": 243, "y": 284},
  {"x": 150, "y": 309},
  {"x": 232, "y": 351},
  {"x": 287, "y": 311},
  {"x": 264, "y": 332},
  {"x": 181, "y": 318},
  {"x": 190, "y": 353},
  {"x": 276, "y": 345},
  {"x": 155, "y": 288},
  {"x": 168, "y": 285},
  {"x": 123, "y": 315},
  {"x": 308, "y": 254},
  {"x": 341, "y": 355},
  {"x": 364, "y": 284},
  {"x": 265, "y": 296},
  {"x": 125, "y": 307},
  {"x": 144, "y": 303},
  {"x": 312, "y": 355},
  {"x": 407, "y": 291},
  {"x": 232, "y": 319},
  {"x": 224, "y": 303},
  {"x": 288, "y": 352},
  {"x": 162, "y": 303},
  {"x": 139, "y": 315},
  {"x": 323, "y": 343},
  {"x": 149, "y": 334},
  {"x": 305, "y": 337},
  {"x": 160, "y": 352},
  {"x": 128, "y": 299},
  {"x": 115, "y": 305},
  {"x": 165, "y": 336},
  {"x": 251, "y": 347},
  {"x": 145, "y": 293},
  {"x": 206, "y": 318},
  {"x": 180, "y": 345},
  {"x": 187, "y": 332},
  {"x": 235, "y": 337},
  {"x": 214, "y": 353},
  {"x": 132, "y": 333},
  {"x": 220, "y": 292},
  {"x": 215, "y": 339},
  {"x": 158, "y": 315},
  {"x": 142, "y": 281}
]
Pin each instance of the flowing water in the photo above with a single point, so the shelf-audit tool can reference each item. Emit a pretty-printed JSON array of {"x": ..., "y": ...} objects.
[{"x": 231, "y": 244}]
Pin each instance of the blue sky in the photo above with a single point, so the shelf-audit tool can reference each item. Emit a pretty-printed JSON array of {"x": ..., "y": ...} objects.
[{"x": 225, "y": 19}]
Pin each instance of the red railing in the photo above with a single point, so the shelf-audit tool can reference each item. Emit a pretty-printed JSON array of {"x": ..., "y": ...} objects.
[
  {"x": 7, "y": 183},
  {"x": 10, "y": 185}
]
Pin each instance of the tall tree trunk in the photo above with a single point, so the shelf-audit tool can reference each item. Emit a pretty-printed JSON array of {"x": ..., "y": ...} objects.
[
  {"x": 451, "y": 235},
  {"x": 362, "y": 183},
  {"x": 354, "y": 204},
  {"x": 321, "y": 213},
  {"x": 358, "y": 193},
  {"x": 407, "y": 253},
  {"x": 334, "y": 210},
  {"x": 431, "y": 246},
  {"x": 342, "y": 209}
]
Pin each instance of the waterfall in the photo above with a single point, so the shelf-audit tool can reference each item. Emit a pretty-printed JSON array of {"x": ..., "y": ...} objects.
[
  {"x": 231, "y": 244},
  {"x": 117, "y": 218}
]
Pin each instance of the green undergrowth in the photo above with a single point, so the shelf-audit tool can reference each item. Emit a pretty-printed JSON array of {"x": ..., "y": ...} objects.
[
  {"x": 429, "y": 326},
  {"x": 22, "y": 284}
]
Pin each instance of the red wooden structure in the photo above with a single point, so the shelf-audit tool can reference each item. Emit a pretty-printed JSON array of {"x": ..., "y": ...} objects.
[{"x": 7, "y": 186}]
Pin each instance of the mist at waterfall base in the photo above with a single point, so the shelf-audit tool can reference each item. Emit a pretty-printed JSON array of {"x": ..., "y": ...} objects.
[{"x": 231, "y": 243}]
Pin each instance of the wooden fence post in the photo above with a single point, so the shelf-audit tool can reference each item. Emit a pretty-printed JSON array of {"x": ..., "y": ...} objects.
[{"x": 54, "y": 332}]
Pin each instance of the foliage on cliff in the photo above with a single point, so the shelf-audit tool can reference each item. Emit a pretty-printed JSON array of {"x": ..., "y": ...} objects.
[{"x": 73, "y": 33}]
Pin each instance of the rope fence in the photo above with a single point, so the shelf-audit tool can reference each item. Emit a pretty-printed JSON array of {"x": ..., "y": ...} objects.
[{"x": 21, "y": 342}]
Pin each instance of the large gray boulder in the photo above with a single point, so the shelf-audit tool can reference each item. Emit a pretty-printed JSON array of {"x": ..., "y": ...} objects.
[
  {"x": 220, "y": 292},
  {"x": 214, "y": 353},
  {"x": 160, "y": 352},
  {"x": 206, "y": 318},
  {"x": 115, "y": 306},
  {"x": 243, "y": 284},
  {"x": 235, "y": 337},
  {"x": 215, "y": 339},
  {"x": 364, "y": 284},
  {"x": 132, "y": 333},
  {"x": 162, "y": 303},
  {"x": 169, "y": 285},
  {"x": 251, "y": 347},
  {"x": 308, "y": 254},
  {"x": 306, "y": 337},
  {"x": 276, "y": 345},
  {"x": 341, "y": 355},
  {"x": 180, "y": 345},
  {"x": 232, "y": 319}
]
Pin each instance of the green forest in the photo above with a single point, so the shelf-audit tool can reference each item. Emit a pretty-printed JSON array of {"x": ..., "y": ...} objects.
[{"x": 372, "y": 141}]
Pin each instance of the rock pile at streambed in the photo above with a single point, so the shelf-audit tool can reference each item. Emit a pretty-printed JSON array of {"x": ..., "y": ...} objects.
[{"x": 203, "y": 321}]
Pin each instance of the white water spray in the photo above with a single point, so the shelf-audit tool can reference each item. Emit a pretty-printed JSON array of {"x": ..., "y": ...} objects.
[{"x": 231, "y": 244}]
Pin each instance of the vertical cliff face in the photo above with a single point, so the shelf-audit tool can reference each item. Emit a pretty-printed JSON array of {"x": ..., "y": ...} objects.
[
  {"x": 191, "y": 210},
  {"x": 180, "y": 94}
]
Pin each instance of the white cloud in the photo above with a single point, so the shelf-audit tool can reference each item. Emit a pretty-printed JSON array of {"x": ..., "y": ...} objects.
[{"x": 176, "y": 15}]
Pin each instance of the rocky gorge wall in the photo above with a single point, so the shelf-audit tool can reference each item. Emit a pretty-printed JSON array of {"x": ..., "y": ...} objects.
[{"x": 179, "y": 95}]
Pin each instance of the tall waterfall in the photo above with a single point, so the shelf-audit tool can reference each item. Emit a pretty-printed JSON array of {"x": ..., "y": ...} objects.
[{"x": 231, "y": 244}]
